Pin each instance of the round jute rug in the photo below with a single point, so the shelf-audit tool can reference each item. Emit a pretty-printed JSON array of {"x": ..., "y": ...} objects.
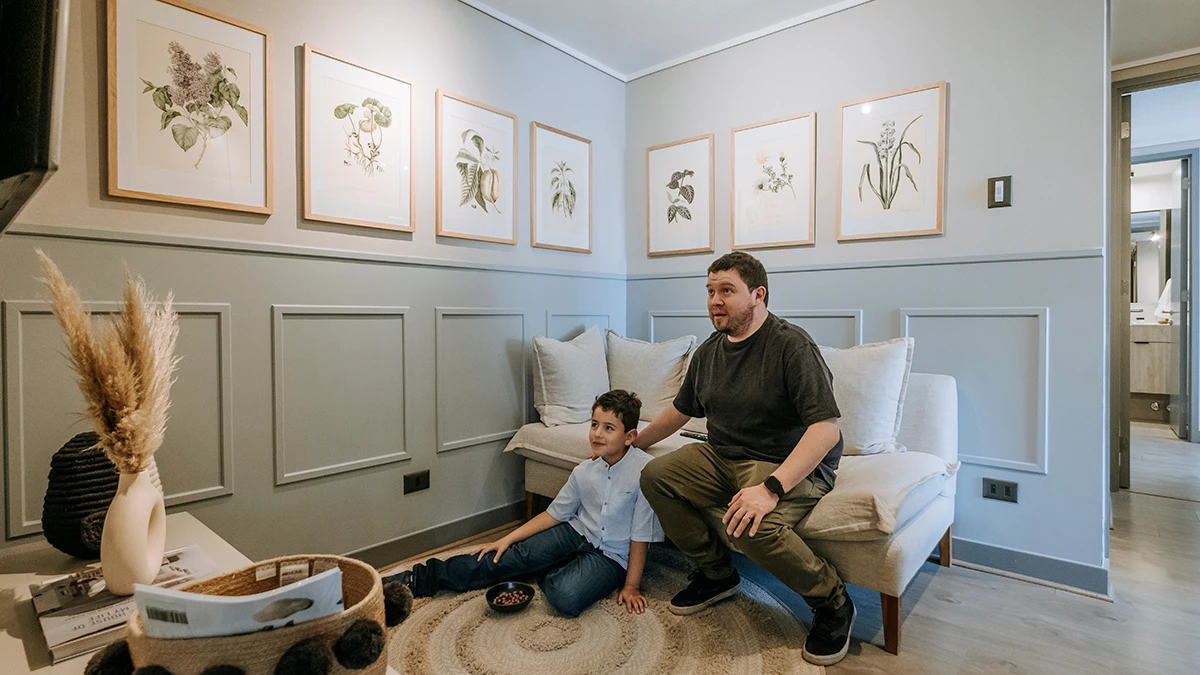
[{"x": 749, "y": 634}]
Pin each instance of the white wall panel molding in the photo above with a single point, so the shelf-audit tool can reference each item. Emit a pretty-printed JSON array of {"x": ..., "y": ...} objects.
[
  {"x": 972, "y": 343},
  {"x": 43, "y": 406},
  {"x": 332, "y": 366},
  {"x": 477, "y": 392}
]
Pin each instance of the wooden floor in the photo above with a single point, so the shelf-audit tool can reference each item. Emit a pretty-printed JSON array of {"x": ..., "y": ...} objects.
[
  {"x": 1161, "y": 464},
  {"x": 960, "y": 621}
]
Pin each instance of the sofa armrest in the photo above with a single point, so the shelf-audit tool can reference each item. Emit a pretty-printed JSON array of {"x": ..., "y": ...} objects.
[{"x": 930, "y": 418}]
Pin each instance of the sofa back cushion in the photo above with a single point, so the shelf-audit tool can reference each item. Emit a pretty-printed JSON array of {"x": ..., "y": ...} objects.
[
  {"x": 652, "y": 370},
  {"x": 568, "y": 376},
  {"x": 869, "y": 383}
]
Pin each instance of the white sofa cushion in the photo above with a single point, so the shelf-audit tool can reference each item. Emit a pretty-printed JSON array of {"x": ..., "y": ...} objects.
[
  {"x": 568, "y": 376},
  {"x": 874, "y": 496},
  {"x": 565, "y": 446},
  {"x": 652, "y": 370},
  {"x": 869, "y": 383}
]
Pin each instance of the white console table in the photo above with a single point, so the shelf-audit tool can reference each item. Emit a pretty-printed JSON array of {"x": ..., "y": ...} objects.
[{"x": 22, "y": 648}]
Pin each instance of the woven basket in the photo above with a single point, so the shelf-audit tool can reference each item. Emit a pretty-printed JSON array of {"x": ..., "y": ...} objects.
[{"x": 258, "y": 653}]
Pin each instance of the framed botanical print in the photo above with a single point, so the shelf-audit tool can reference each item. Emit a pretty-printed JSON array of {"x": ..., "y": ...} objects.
[
  {"x": 476, "y": 171},
  {"x": 891, "y": 165},
  {"x": 189, "y": 92},
  {"x": 679, "y": 197},
  {"x": 774, "y": 183},
  {"x": 358, "y": 156},
  {"x": 560, "y": 189}
]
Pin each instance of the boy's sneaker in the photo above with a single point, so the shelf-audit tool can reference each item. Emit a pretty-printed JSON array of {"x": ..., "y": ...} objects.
[
  {"x": 829, "y": 639},
  {"x": 405, "y": 577},
  {"x": 703, "y": 592}
]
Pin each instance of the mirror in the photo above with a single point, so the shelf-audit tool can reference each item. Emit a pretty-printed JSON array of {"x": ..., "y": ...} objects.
[{"x": 1149, "y": 245}]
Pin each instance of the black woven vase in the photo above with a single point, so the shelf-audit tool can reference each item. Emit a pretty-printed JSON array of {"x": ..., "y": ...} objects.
[{"x": 82, "y": 484}]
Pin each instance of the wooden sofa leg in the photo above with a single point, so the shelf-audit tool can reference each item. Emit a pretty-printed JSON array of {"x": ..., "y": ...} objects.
[
  {"x": 891, "y": 623},
  {"x": 529, "y": 497},
  {"x": 944, "y": 555}
]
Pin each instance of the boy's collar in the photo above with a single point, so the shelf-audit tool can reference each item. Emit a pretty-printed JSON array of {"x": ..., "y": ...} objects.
[{"x": 623, "y": 456}]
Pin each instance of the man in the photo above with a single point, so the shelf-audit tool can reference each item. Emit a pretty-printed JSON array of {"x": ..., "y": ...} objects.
[{"x": 772, "y": 452}]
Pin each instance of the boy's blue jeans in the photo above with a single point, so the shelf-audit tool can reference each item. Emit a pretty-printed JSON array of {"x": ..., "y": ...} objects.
[{"x": 574, "y": 574}]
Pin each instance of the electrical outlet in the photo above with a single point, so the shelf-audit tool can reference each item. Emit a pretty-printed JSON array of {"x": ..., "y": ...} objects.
[
  {"x": 1004, "y": 490},
  {"x": 416, "y": 481}
]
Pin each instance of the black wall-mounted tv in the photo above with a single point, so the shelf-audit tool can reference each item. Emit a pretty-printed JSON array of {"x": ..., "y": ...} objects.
[{"x": 33, "y": 36}]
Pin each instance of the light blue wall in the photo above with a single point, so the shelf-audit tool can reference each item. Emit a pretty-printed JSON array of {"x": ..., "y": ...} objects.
[{"x": 307, "y": 387}]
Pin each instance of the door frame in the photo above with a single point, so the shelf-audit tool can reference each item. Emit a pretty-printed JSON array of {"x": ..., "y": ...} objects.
[{"x": 1124, "y": 82}]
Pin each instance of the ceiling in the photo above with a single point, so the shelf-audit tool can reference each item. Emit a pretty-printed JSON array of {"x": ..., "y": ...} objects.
[
  {"x": 1143, "y": 30},
  {"x": 631, "y": 38}
]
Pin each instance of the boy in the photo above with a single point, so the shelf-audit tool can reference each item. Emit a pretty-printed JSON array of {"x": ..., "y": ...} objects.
[{"x": 591, "y": 541}]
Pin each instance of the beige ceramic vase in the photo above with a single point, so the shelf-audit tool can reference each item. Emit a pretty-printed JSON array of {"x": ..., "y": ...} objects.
[{"x": 135, "y": 533}]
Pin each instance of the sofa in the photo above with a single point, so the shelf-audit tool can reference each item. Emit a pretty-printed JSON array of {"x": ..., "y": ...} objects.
[{"x": 888, "y": 509}]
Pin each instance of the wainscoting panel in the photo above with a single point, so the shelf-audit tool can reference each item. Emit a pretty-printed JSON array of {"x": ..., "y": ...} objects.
[
  {"x": 999, "y": 357},
  {"x": 562, "y": 326},
  {"x": 339, "y": 389},
  {"x": 670, "y": 324},
  {"x": 839, "y": 328},
  {"x": 44, "y": 407},
  {"x": 482, "y": 371}
]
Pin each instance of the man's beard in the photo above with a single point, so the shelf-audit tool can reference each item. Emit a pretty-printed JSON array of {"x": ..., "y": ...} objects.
[{"x": 736, "y": 324}]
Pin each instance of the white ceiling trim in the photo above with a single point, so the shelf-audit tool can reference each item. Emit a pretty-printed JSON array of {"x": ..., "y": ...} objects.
[
  {"x": 1156, "y": 59},
  {"x": 712, "y": 49},
  {"x": 539, "y": 35},
  {"x": 747, "y": 37}
]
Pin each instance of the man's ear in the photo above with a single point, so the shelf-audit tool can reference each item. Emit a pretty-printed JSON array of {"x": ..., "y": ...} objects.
[
  {"x": 630, "y": 436},
  {"x": 761, "y": 297}
]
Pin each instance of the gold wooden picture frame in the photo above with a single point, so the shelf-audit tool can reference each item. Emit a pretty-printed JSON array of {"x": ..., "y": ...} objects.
[
  {"x": 471, "y": 140},
  {"x": 678, "y": 174},
  {"x": 560, "y": 213},
  {"x": 773, "y": 186},
  {"x": 189, "y": 98},
  {"x": 891, "y": 165},
  {"x": 358, "y": 144}
]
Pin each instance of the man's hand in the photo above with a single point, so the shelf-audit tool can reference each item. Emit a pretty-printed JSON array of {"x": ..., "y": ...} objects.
[
  {"x": 748, "y": 507},
  {"x": 632, "y": 599},
  {"x": 499, "y": 546}
]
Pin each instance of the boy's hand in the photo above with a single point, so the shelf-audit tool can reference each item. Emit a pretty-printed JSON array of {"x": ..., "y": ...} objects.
[
  {"x": 632, "y": 599},
  {"x": 499, "y": 546}
]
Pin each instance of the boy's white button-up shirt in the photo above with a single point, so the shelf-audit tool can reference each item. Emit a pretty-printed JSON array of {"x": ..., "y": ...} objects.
[{"x": 606, "y": 506}]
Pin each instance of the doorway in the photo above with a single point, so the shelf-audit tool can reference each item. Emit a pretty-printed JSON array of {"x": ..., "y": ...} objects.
[{"x": 1155, "y": 250}]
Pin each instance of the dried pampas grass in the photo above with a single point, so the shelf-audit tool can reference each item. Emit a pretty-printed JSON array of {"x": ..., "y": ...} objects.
[{"x": 125, "y": 366}]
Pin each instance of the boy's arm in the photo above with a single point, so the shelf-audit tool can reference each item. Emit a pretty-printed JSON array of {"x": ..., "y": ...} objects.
[
  {"x": 542, "y": 521},
  {"x": 631, "y": 594}
]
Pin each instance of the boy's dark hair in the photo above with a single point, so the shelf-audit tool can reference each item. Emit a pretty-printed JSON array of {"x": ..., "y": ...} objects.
[
  {"x": 747, "y": 267},
  {"x": 624, "y": 404}
]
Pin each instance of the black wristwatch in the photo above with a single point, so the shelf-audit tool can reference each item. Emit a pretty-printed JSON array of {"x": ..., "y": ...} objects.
[{"x": 772, "y": 483}]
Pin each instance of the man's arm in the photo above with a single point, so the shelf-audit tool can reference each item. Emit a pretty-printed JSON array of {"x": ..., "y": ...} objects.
[
  {"x": 542, "y": 521},
  {"x": 750, "y": 504},
  {"x": 631, "y": 594},
  {"x": 668, "y": 422}
]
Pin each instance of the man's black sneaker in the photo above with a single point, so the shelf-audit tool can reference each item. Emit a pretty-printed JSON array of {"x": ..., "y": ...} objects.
[
  {"x": 703, "y": 592},
  {"x": 829, "y": 638},
  {"x": 405, "y": 577}
]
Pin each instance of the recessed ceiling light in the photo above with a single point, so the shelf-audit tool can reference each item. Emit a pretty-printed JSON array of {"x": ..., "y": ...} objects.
[{"x": 866, "y": 109}]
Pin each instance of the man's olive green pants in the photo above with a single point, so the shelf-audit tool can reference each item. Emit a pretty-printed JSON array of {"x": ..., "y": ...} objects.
[{"x": 681, "y": 485}]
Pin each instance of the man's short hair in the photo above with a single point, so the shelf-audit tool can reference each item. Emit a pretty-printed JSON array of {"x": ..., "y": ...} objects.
[
  {"x": 747, "y": 267},
  {"x": 625, "y": 405}
]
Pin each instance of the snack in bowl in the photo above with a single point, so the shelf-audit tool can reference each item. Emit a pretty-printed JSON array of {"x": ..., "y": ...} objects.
[{"x": 509, "y": 597}]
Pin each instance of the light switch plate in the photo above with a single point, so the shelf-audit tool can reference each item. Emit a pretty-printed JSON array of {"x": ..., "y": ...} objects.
[{"x": 999, "y": 191}]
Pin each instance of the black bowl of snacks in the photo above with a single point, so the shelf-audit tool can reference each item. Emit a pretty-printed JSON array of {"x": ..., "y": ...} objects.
[{"x": 509, "y": 597}]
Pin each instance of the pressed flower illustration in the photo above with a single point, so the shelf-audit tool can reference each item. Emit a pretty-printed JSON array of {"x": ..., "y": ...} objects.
[
  {"x": 197, "y": 96},
  {"x": 685, "y": 194},
  {"x": 562, "y": 190},
  {"x": 364, "y": 136},
  {"x": 889, "y": 158},
  {"x": 480, "y": 180},
  {"x": 770, "y": 180}
]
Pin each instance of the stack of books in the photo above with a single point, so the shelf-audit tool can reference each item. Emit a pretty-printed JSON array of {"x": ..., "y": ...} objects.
[{"x": 79, "y": 615}]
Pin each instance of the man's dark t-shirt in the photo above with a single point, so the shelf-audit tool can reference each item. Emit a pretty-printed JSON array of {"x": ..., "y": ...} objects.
[{"x": 761, "y": 394}]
